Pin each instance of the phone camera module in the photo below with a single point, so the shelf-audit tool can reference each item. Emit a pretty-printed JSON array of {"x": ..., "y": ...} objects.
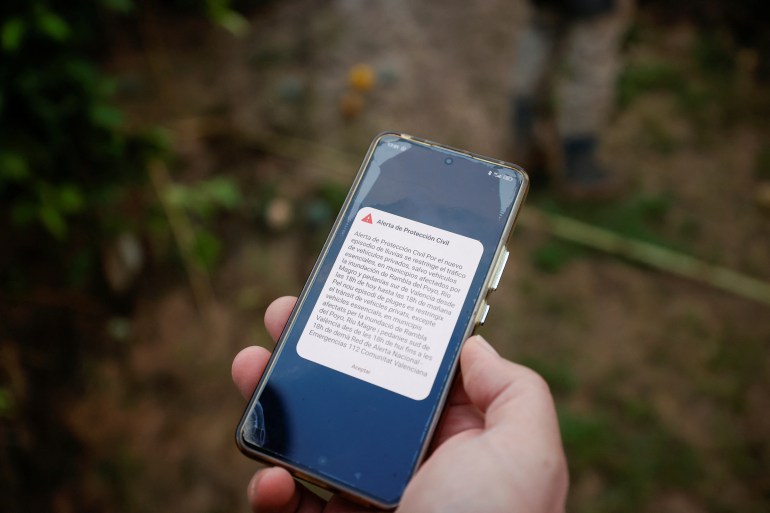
[{"x": 448, "y": 161}]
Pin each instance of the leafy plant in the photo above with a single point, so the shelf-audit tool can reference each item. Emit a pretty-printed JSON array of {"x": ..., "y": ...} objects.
[
  {"x": 201, "y": 201},
  {"x": 68, "y": 163},
  {"x": 63, "y": 149}
]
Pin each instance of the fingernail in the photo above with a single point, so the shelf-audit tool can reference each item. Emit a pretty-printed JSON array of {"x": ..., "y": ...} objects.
[
  {"x": 251, "y": 489},
  {"x": 486, "y": 345}
]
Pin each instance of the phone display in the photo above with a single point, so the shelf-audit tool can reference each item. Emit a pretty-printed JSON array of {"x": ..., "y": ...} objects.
[{"x": 356, "y": 383}]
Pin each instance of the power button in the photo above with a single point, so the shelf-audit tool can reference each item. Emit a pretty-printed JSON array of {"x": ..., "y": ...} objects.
[{"x": 500, "y": 268}]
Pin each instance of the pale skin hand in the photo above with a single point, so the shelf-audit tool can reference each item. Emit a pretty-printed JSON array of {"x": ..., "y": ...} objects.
[{"x": 497, "y": 448}]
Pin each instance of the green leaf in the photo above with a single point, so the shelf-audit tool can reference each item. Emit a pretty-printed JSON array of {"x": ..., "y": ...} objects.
[
  {"x": 70, "y": 199},
  {"x": 12, "y": 34},
  {"x": 86, "y": 73},
  {"x": 156, "y": 140},
  {"x": 177, "y": 195},
  {"x": 206, "y": 249},
  {"x": 13, "y": 167},
  {"x": 6, "y": 402},
  {"x": 233, "y": 22},
  {"x": 223, "y": 192},
  {"x": 205, "y": 198},
  {"x": 53, "y": 25},
  {"x": 53, "y": 220},
  {"x": 106, "y": 116}
]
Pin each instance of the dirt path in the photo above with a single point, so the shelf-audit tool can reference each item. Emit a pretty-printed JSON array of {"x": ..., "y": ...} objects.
[{"x": 662, "y": 383}]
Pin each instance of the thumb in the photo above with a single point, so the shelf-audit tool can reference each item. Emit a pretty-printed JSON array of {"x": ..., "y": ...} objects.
[
  {"x": 504, "y": 391},
  {"x": 520, "y": 422}
]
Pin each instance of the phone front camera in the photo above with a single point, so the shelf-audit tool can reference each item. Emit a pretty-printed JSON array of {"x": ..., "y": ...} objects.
[{"x": 448, "y": 161}]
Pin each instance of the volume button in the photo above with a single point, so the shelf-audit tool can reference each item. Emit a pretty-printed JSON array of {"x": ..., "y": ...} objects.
[
  {"x": 499, "y": 271},
  {"x": 484, "y": 314}
]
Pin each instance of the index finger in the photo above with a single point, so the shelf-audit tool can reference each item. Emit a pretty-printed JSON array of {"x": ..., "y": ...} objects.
[
  {"x": 249, "y": 364},
  {"x": 277, "y": 314}
]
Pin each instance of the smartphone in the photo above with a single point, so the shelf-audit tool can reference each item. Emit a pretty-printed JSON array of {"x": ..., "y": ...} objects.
[{"x": 357, "y": 381}]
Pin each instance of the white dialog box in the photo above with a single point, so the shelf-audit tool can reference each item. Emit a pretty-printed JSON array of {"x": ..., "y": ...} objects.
[{"x": 391, "y": 302}]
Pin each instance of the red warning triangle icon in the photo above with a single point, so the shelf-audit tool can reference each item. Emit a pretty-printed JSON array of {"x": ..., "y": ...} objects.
[{"x": 367, "y": 219}]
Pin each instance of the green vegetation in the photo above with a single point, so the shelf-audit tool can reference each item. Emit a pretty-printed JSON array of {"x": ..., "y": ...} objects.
[
  {"x": 619, "y": 444},
  {"x": 633, "y": 458},
  {"x": 72, "y": 178},
  {"x": 641, "y": 217},
  {"x": 643, "y": 78},
  {"x": 201, "y": 202},
  {"x": 63, "y": 151},
  {"x": 711, "y": 85},
  {"x": 554, "y": 254},
  {"x": 559, "y": 375},
  {"x": 70, "y": 169},
  {"x": 646, "y": 369},
  {"x": 6, "y": 402}
]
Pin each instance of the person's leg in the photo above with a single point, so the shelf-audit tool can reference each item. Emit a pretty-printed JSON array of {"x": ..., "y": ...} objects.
[
  {"x": 586, "y": 93},
  {"x": 534, "y": 56}
]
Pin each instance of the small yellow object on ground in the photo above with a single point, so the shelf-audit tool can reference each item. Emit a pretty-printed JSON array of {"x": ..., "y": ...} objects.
[{"x": 361, "y": 77}]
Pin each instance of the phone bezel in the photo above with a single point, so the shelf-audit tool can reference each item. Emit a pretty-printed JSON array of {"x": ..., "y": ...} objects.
[{"x": 324, "y": 481}]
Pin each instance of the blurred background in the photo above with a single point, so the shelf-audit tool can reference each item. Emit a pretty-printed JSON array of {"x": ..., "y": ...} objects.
[{"x": 169, "y": 167}]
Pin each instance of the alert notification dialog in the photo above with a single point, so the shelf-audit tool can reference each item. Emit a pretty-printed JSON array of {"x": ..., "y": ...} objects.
[
  {"x": 358, "y": 376},
  {"x": 388, "y": 308}
]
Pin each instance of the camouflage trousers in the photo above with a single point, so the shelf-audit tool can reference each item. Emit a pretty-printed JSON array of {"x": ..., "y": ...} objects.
[{"x": 576, "y": 59}]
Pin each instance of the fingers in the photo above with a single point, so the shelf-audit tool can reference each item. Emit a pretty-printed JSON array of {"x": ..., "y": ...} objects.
[
  {"x": 456, "y": 419},
  {"x": 277, "y": 314},
  {"x": 504, "y": 391},
  {"x": 459, "y": 415},
  {"x": 458, "y": 396},
  {"x": 248, "y": 366},
  {"x": 250, "y": 363},
  {"x": 273, "y": 490},
  {"x": 520, "y": 420}
]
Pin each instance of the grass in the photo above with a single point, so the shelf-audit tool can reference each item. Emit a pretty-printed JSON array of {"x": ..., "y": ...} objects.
[
  {"x": 640, "y": 217},
  {"x": 631, "y": 453},
  {"x": 639, "y": 79},
  {"x": 623, "y": 456},
  {"x": 554, "y": 254},
  {"x": 559, "y": 374},
  {"x": 706, "y": 81},
  {"x": 659, "y": 139},
  {"x": 741, "y": 360}
]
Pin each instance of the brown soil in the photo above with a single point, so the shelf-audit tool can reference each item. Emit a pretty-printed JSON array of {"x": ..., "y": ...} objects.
[{"x": 156, "y": 422}]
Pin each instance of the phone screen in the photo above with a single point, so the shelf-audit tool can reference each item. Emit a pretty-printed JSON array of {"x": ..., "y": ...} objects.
[{"x": 359, "y": 373}]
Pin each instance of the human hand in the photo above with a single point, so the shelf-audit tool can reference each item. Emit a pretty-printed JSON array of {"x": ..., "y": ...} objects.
[{"x": 496, "y": 449}]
